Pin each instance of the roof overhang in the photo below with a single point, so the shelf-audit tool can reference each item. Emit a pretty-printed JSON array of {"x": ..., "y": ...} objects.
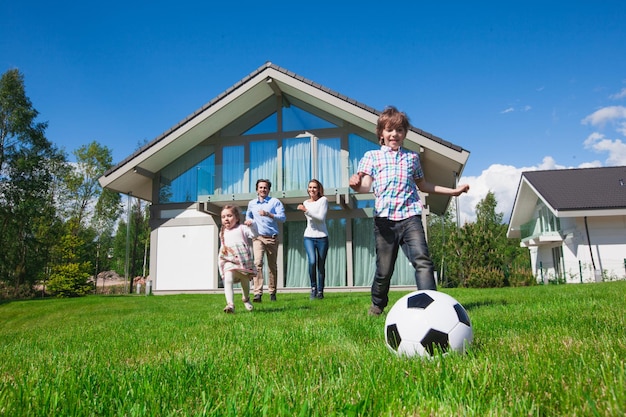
[{"x": 442, "y": 161}]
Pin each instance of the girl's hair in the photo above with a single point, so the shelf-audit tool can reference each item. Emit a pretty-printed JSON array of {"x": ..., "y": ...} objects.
[
  {"x": 320, "y": 187},
  {"x": 237, "y": 214},
  {"x": 392, "y": 118}
]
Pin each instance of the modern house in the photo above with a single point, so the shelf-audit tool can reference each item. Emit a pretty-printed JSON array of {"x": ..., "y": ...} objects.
[
  {"x": 278, "y": 125},
  {"x": 573, "y": 221}
]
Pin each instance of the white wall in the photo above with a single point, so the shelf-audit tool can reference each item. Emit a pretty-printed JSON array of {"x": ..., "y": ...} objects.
[
  {"x": 608, "y": 250},
  {"x": 185, "y": 258}
]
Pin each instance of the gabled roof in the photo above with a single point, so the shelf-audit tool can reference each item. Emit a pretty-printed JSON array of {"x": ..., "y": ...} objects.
[
  {"x": 570, "y": 193},
  {"x": 440, "y": 158}
]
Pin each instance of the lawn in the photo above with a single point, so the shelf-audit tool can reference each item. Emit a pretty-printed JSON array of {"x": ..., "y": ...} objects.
[{"x": 552, "y": 350}]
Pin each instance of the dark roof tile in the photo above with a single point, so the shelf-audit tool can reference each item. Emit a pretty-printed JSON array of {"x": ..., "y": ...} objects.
[{"x": 581, "y": 188}]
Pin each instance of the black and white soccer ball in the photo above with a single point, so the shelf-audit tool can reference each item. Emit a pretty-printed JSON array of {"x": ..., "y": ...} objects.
[{"x": 427, "y": 323}]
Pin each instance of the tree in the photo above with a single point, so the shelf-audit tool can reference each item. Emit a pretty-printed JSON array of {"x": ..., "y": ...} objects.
[
  {"x": 480, "y": 254},
  {"x": 29, "y": 163},
  {"x": 132, "y": 241},
  {"x": 70, "y": 273},
  {"x": 94, "y": 209},
  {"x": 439, "y": 230}
]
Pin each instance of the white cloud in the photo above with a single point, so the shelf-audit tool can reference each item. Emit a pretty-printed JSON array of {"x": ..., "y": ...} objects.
[
  {"x": 618, "y": 96},
  {"x": 503, "y": 181},
  {"x": 610, "y": 114},
  {"x": 616, "y": 149},
  {"x": 509, "y": 110}
]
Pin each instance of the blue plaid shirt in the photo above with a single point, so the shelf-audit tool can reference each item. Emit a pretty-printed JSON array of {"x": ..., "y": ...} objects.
[{"x": 394, "y": 174}]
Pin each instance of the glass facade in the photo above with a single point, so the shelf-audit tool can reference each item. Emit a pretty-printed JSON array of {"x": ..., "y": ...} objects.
[{"x": 289, "y": 146}]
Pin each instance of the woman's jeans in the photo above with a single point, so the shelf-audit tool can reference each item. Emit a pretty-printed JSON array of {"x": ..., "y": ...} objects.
[
  {"x": 407, "y": 234},
  {"x": 316, "y": 250}
]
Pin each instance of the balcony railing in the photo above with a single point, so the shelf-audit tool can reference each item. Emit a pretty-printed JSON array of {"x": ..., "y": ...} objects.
[{"x": 536, "y": 230}]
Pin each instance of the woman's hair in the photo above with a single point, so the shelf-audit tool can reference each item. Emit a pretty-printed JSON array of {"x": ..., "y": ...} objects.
[
  {"x": 237, "y": 214},
  {"x": 391, "y": 118},
  {"x": 320, "y": 187}
]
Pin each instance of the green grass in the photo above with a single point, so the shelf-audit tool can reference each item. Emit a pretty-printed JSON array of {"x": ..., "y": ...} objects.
[{"x": 537, "y": 351}]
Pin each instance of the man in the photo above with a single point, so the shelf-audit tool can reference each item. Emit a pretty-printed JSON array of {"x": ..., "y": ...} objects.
[{"x": 266, "y": 212}]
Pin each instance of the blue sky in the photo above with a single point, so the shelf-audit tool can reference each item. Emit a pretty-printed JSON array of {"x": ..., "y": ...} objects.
[{"x": 520, "y": 85}]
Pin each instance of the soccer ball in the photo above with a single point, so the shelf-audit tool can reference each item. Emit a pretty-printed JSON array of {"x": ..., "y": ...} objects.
[{"x": 427, "y": 323}]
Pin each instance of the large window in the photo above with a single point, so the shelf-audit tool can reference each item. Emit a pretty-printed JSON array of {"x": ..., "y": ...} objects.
[
  {"x": 189, "y": 176},
  {"x": 289, "y": 146}
]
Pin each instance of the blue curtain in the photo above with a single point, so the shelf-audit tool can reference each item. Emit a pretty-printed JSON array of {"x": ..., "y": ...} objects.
[
  {"x": 296, "y": 163},
  {"x": 297, "y": 273},
  {"x": 263, "y": 162},
  {"x": 357, "y": 147},
  {"x": 329, "y": 162},
  {"x": 232, "y": 169},
  {"x": 364, "y": 247},
  {"x": 297, "y": 172}
]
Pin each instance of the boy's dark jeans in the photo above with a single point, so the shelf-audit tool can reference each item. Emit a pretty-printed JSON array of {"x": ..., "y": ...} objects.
[{"x": 407, "y": 234}]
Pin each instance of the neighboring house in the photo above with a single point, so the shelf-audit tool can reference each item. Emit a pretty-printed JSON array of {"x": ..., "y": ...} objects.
[
  {"x": 278, "y": 125},
  {"x": 573, "y": 221}
]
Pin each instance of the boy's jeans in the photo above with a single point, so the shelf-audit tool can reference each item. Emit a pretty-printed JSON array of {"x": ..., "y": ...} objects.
[{"x": 407, "y": 234}]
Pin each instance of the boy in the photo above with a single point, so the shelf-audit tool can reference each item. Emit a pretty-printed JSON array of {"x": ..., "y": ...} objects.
[{"x": 396, "y": 175}]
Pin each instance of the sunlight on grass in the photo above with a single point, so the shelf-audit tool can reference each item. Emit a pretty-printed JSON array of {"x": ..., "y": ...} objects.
[{"x": 547, "y": 350}]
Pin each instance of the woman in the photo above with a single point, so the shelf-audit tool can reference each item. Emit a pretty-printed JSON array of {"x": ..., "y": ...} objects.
[{"x": 316, "y": 236}]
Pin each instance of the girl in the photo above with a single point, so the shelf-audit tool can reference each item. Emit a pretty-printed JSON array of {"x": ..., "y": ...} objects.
[
  {"x": 316, "y": 236},
  {"x": 235, "y": 259}
]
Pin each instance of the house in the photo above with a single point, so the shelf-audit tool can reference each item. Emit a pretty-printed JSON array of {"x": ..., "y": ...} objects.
[
  {"x": 573, "y": 222},
  {"x": 278, "y": 125}
]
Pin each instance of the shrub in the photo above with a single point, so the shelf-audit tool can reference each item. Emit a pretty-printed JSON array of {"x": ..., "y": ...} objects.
[
  {"x": 481, "y": 277},
  {"x": 521, "y": 277},
  {"x": 70, "y": 280}
]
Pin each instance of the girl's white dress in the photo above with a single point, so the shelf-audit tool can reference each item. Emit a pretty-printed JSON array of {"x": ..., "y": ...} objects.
[{"x": 236, "y": 251}]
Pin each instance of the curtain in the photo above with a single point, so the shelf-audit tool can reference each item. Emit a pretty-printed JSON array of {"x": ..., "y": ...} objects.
[
  {"x": 364, "y": 256},
  {"x": 357, "y": 148},
  {"x": 232, "y": 169},
  {"x": 297, "y": 273},
  {"x": 329, "y": 162},
  {"x": 297, "y": 163},
  {"x": 263, "y": 162},
  {"x": 364, "y": 247}
]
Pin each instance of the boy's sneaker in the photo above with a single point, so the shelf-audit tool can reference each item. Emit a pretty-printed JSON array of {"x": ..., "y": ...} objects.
[
  {"x": 375, "y": 310},
  {"x": 320, "y": 295},
  {"x": 257, "y": 298},
  {"x": 229, "y": 309},
  {"x": 272, "y": 297},
  {"x": 313, "y": 294}
]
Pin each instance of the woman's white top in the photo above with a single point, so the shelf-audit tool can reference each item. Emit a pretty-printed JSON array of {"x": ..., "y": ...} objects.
[{"x": 316, "y": 217}]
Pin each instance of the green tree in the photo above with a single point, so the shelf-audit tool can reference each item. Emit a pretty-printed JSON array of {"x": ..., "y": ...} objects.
[
  {"x": 439, "y": 230},
  {"x": 132, "y": 242},
  {"x": 94, "y": 209},
  {"x": 29, "y": 164},
  {"x": 480, "y": 254},
  {"x": 70, "y": 273}
]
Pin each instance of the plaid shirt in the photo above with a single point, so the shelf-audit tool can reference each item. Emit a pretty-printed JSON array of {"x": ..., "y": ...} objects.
[{"x": 394, "y": 175}]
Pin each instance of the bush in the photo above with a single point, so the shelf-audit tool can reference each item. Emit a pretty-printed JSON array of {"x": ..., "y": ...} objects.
[
  {"x": 521, "y": 277},
  {"x": 70, "y": 280},
  {"x": 10, "y": 292},
  {"x": 481, "y": 277}
]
